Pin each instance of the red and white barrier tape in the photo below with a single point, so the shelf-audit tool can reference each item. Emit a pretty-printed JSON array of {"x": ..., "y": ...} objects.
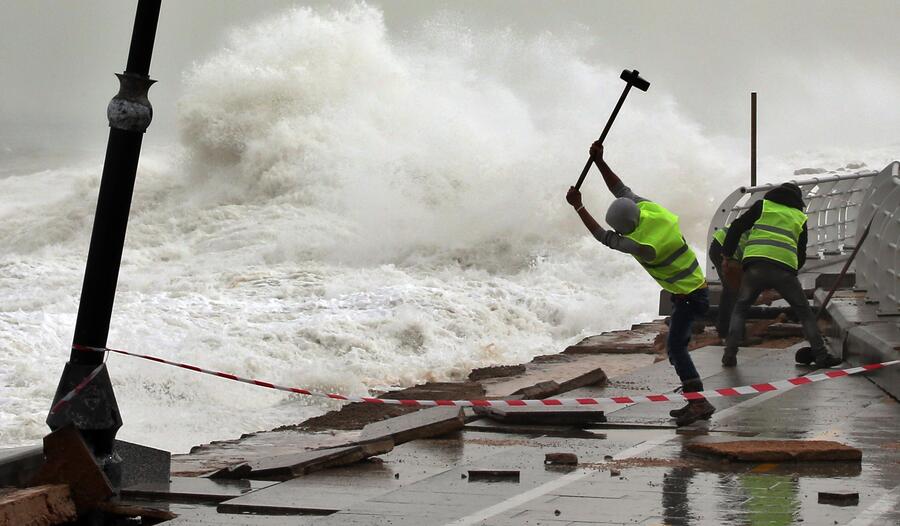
[
  {"x": 78, "y": 388},
  {"x": 789, "y": 383}
]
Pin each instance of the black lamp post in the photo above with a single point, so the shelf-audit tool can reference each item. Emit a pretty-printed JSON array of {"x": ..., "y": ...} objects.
[{"x": 94, "y": 410}]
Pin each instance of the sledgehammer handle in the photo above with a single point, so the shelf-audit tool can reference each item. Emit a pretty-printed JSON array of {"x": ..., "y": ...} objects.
[{"x": 587, "y": 166}]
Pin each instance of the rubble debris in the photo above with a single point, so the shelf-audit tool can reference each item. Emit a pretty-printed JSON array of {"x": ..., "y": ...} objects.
[
  {"x": 494, "y": 475},
  {"x": 285, "y": 467},
  {"x": 427, "y": 423},
  {"x": 496, "y": 371},
  {"x": 69, "y": 461},
  {"x": 37, "y": 506},
  {"x": 778, "y": 450},
  {"x": 562, "y": 459},
  {"x": 839, "y": 499},
  {"x": 357, "y": 415}
]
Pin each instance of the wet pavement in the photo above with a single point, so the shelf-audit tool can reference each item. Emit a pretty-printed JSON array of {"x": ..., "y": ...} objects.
[{"x": 633, "y": 470}]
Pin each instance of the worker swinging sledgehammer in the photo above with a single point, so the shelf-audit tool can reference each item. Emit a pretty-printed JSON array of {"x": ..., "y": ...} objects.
[
  {"x": 651, "y": 234},
  {"x": 774, "y": 251}
]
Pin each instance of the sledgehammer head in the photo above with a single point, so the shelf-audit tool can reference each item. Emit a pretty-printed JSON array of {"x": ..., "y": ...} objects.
[{"x": 632, "y": 77}]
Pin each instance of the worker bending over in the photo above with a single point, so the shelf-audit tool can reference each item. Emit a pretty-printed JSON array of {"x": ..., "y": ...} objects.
[
  {"x": 774, "y": 251},
  {"x": 730, "y": 283},
  {"x": 651, "y": 234}
]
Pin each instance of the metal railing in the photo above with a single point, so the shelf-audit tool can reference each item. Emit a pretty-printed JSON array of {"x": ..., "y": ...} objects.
[
  {"x": 832, "y": 204},
  {"x": 878, "y": 262}
]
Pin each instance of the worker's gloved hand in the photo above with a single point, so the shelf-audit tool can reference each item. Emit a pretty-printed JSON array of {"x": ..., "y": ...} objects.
[
  {"x": 597, "y": 151},
  {"x": 573, "y": 196}
]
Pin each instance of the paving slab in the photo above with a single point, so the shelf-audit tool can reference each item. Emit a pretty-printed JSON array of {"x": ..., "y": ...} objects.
[
  {"x": 434, "y": 421},
  {"x": 142, "y": 463},
  {"x": 19, "y": 464},
  {"x": 543, "y": 415},
  {"x": 328, "y": 491},
  {"x": 750, "y": 450},
  {"x": 194, "y": 489}
]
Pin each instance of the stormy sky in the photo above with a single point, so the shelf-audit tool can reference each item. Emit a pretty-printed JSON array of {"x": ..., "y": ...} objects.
[{"x": 827, "y": 72}]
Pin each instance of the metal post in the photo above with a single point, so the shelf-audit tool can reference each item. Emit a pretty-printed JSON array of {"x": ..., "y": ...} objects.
[
  {"x": 752, "y": 138},
  {"x": 94, "y": 411}
]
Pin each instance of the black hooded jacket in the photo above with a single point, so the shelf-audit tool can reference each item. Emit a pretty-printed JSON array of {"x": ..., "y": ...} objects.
[{"x": 787, "y": 194}]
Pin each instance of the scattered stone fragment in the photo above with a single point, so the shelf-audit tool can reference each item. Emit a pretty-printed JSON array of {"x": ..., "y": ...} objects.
[
  {"x": 778, "y": 450},
  {"x": 427, "y": 423},
  {"x": 607, "y": 457},
  {"x": 496, "y": 371},
  {"x": 37, "y": 506},
  {"x": 493, "y": 475},
  {"x": 839, "y": 499},
  {"x": 537, "y": 391},
  {"x": 557, "y": 512},
  {"x": 67, "y": 460},
  {"x": 614, "y": 473},
  {"x": 563, "y": 459}
]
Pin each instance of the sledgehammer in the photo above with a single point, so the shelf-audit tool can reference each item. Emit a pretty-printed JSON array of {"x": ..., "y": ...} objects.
[{"x": 631, "y": 78}]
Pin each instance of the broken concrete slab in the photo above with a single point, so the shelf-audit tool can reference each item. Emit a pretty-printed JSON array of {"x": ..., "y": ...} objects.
[
  {"x": 285, "y": 467},
  {"x": 195, "y": 489},
  {"x": 548, "y": 375},
  {"x": 544, "y": 415},
  {"x": 67, "y": 460},
  {"x": 778, "y": 450},
  {"x": 37, "y": 506},
  {"x": 431, "y": 422},
  {"x": 19, "y": 464}
]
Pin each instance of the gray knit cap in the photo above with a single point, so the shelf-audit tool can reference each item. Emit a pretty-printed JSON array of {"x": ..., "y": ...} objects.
[{"x": 623, "y": 215}]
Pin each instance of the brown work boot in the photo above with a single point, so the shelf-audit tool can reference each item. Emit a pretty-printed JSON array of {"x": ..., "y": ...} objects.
[
  {"x": 693, "y": 385},
  {"x": 696, "y": 410}
]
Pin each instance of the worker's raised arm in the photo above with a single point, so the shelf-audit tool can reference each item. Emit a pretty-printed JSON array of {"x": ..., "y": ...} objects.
[
  {"x": 615, "y": 185},
  {"x": 609, "y": 238}
]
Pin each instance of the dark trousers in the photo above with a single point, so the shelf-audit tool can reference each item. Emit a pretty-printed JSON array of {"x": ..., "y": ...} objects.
[
  {"x": 728, "y": 296},
  {"x": 759, "y": 276},
  {"x": 684, "y": 309}
]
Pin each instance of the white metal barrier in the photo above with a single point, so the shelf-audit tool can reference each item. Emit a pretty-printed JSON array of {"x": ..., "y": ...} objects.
[
  {"x": 832, "y": 204},
  {"x": 878, "y": 262}
]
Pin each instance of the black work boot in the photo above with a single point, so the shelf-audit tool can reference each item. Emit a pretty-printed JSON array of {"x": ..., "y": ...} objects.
[
  {"x": 729, "y": 358},
  {"x": 823, "y": 359},
  {"x": 688, "y": 386}
]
